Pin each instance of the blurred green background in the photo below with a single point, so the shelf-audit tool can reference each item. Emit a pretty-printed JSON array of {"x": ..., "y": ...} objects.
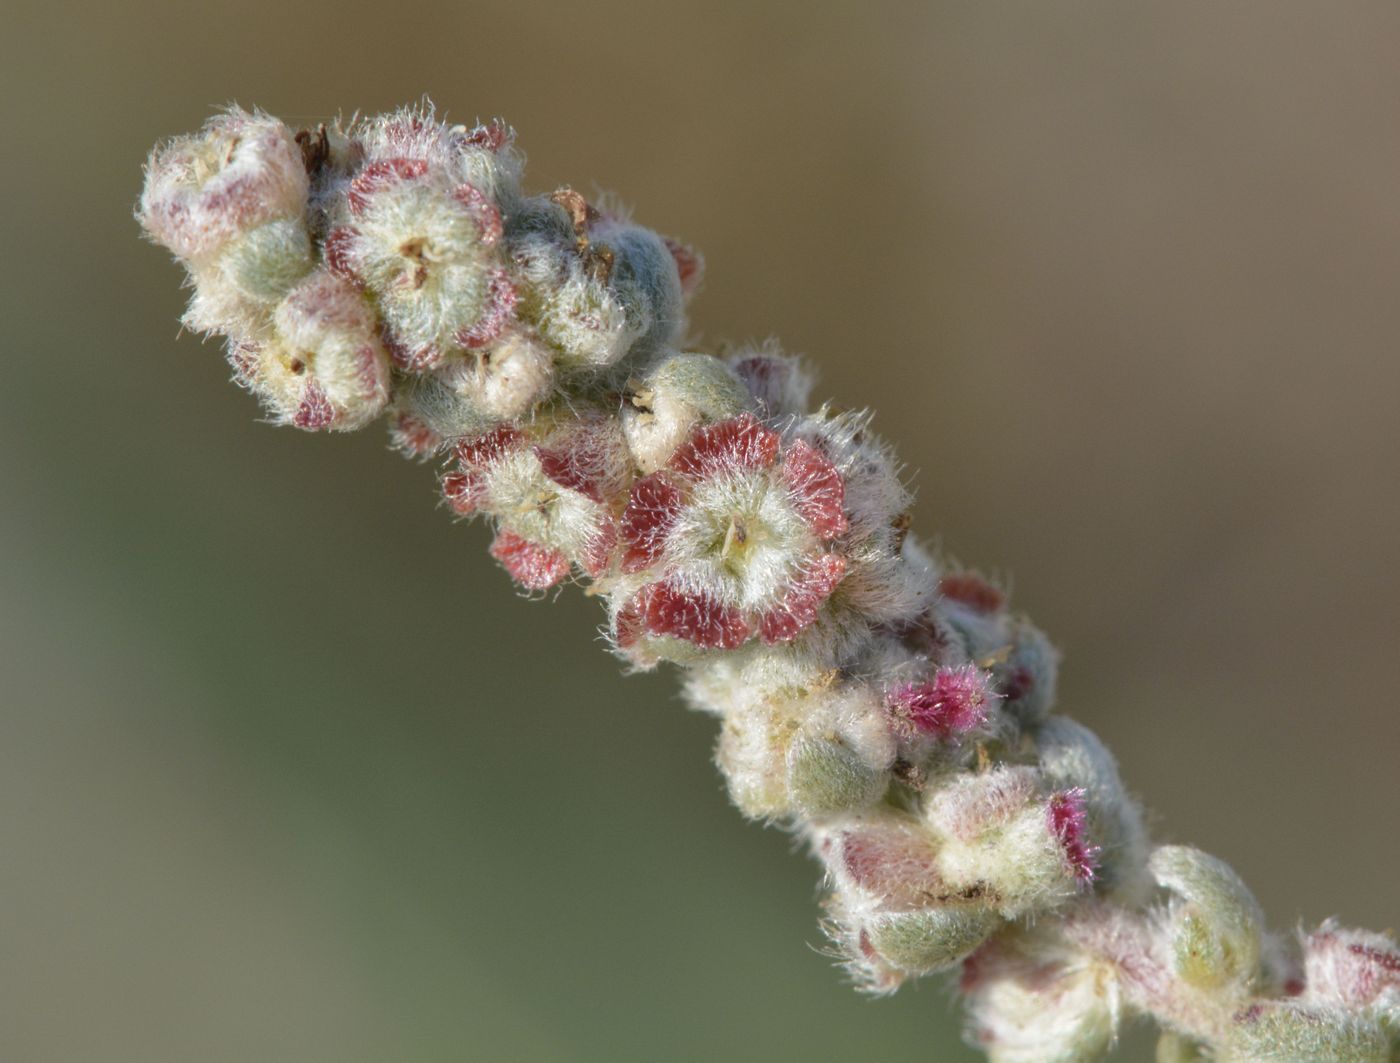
[{"x": 289, "y": 773}]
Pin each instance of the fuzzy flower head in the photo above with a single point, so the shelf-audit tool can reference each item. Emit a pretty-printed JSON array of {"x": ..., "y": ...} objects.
[
  {"x": 596, "y": 288},
  {"x": 736, "y": 538},
  {"x": 325, "y": 367},
  {"x": 1027, "y": 845},
  {"x": 423, "y": 242},
  {"x": 549, "y": 495},
  {"x": 892, "y": 913},
  {"x": 239, "y": 172}
]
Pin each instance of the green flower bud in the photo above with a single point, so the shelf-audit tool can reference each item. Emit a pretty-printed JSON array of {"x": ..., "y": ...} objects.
[
  {"x": 826, "y": 776},
  {"x": 264, "y": 263},
  {"x": 930, "y": 939},
  {"x": 1288, "y": 1032},
  {"x": 1214, "y": 927}
]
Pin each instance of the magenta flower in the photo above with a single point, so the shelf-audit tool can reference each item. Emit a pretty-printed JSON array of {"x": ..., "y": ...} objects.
[{"x": 954, "y": 702}]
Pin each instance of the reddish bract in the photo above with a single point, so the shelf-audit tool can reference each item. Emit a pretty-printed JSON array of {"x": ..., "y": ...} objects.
[
  {"x": 379, "y": 175},
  {"x": 584, "y": 459},
  {"x": 315, "y": 410},
  {"x": 728, "y": 446},
  {"x": 480, "y": 451},
  {"x": 531, "y": 565},
  {"x": 464, "y": 491},
  {"x": 1067, "y": 822},
  {"x": 690, "y": 265},
  {"x": 798, "y": 609},
  {"x": 651, "y": 510},
  {"x": 972, "y": 591},
  {"x": 485, "y": 213},
  {"x": 818, "y": 492},
  {"x": 693, "y": 616},
  {"x": 892, "y": 864},
  {"x": 496, "y": 314}
]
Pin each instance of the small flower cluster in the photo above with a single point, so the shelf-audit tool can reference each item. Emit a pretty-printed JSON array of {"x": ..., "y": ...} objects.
[{"x": 884, "y": 705}]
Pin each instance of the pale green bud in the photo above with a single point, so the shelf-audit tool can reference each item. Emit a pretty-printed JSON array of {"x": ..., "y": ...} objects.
[
  {"x": 236, "y": 289},
  {"x": 930, "y": 939},
  {"x": 826, "y": 776},
  {"x": 1289, "y": 1032},
  {"x": 1214, "y": 928},
  {"x": 264, "y": 263},
  {"x": 432, "y": 402}
]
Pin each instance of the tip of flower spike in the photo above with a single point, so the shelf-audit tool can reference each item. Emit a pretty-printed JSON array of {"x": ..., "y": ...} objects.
[{"x": 1068, "y": 822}]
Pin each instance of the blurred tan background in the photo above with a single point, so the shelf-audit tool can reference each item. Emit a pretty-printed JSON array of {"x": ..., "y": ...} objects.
[{"x": 289, "y": 773}]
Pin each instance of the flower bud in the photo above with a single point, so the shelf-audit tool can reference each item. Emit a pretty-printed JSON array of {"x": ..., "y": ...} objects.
[
  {"x": 1356, "y": 970},
  {"x": 239, "y": 172},
  {"x": 892, "y": 913},
  {"x": 411, "y": 437},
  {"x": 752, "y": 757},
  {"x": 1072, "y": 757},
  {"x": 1025, "y": 1007},
  {"x": 930, "y": 939},
  {"x": 1027, "y": 673},
  {"x": 506, "y": 379},
  {"x": 739, "y": 536},
  {"x": 325, "y": 366},
  {"x": 236, "y": 291},
  {"x": 437, "y": 410},
  {"x": 671, "y": 400},
  {"x": 552, "y": 495},
  {"x": 646, "y": 281},
  {"x": 840, "y": 758},
  {"x": 779, "y": 384},
  {"x": 423, "y": 243},
  {"x": 950, "y": 705},
  {"x": 1001, "y": 831},
  {"x": 597, "y": 288},
  {"x": 1282, "y": 1031},
  {"x": 483, "y": 156},
  {"x": 1213, "y": 926},
  {"x": 825, "y": 776}
]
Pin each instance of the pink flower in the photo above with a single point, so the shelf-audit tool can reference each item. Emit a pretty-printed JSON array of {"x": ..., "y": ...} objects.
[
  {"x": 736, "y": 537},
  {"x": 424, "y": 243},
  {"x": 552, "y": 498},
  {"x": 241, "y": 171}
]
